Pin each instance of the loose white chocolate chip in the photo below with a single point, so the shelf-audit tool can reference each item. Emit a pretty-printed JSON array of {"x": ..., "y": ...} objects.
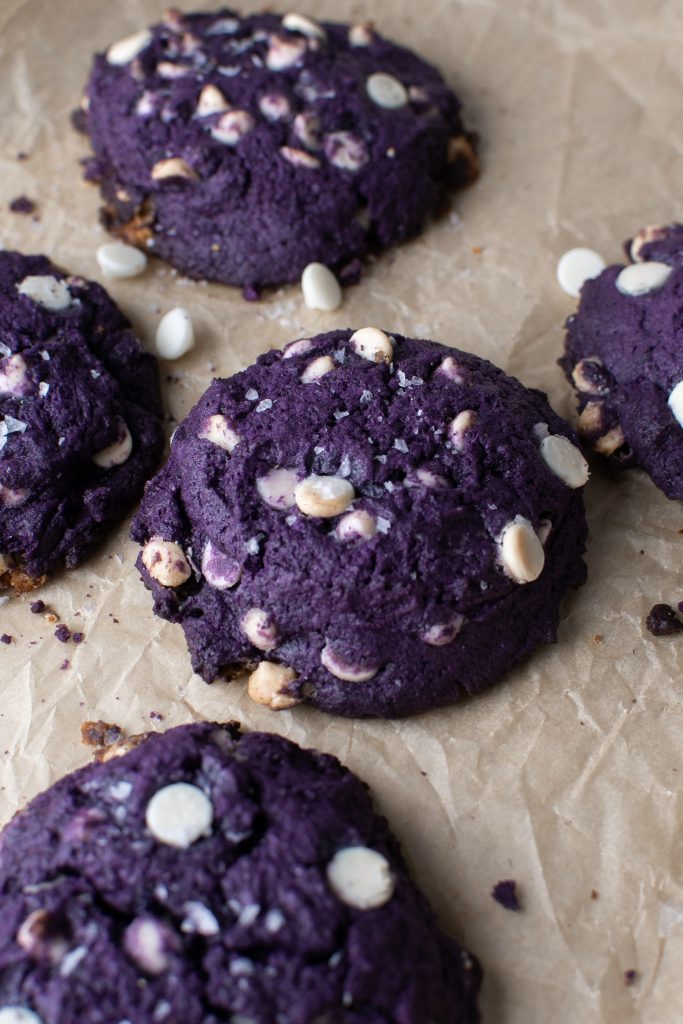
[
  {"x": 284, "y": 53},
  {"x": 218, "y": 431},
  {"x": 386, "y": 91},
  {"x": 49, "y": 292},
  {"x": 259, "y": 628},
  {"x": 357, "y": 525},
  {"x": 346, "y": 151},
  {"x": 297, "y": 348},
  {"x": 641, "y": 278},
  {"x": 307, "y": 128},
  {"x": 576, "y": 267},
  {"x": 343, "y": 669},
  {"x": 211, "y": 101},
  {"x": 116, "y": 453},
  {"x": 299, "y": 157},
  {"x": 267, "y": 684},
  {"x": 118, "y": 260},
  {"x": 127, "y": 49},
  {"x": 564, "y": 460},
  {"x": 646, "y": 235},
  {"x": 521, "y": 551},
  {"x": 459, "y": 426},
  {"x": 306, "y": 26},
  {"x": 317, "y": 369},
  {"x": 14, "y": 378},
  {"x": 675, "y": 402},
  {"x": 361, "y": 34},
  {"x": 232, "y": 126},
  {"x": 173, "y": 167},
  {"x": 443, "y": 633},
  {"x": 165, "y": 561},
  {"x": 360, "y": 877},
  {"x": 323, "y": 496},
  {"x": 219, "y": 571},
  {"x": 277, "y": 487},
  {"x": 179, "y": 814},
  {"x": 274, "y": 106},
  {"x": 175, "y": 334},
  {"x": 320, "y": 288},
  {"x": 19, "y": 1015},
  {"x": 373, "y": 344}
]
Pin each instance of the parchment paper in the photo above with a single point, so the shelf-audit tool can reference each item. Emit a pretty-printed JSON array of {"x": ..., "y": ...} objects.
[{"x": 567, "y": 776}]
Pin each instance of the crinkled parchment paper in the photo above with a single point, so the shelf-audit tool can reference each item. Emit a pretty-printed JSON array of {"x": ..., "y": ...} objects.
[{"x": 568, "y": 776}]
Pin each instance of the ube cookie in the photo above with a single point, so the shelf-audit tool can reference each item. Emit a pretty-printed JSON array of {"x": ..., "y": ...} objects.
[
  {"x": 241, "y": 149},
  {"x": 80, "y": 427},
  {"x": 372, "y": 524},
  {"x": 624, "y": 357},
  {"x": 208, "y": 877}
]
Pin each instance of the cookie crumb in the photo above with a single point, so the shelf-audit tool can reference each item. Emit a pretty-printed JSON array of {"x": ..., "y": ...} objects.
[
  {"x": 6, "y": 638},
  {"x": 598, "y": 639},
  {"x": 156, "y": 716},
  {"x": 51, "y": 617},
  {"x": 37, "y": 607},
  {"x": 22, "y": 204},
  {"x": 505, "y": 893},
  {"x": 63, "y": 633},
  {"x": 630, "y": 977},
  {"x": 251, "y": 294},
  {"x": 663, "y": 621},
  {"x": 594, "y": 894},
  {"x": 100, "y": 734},
  {"x": 78, "y": 638},
  {"x": 477, "y": 249},
  {"x": 65, "y": 664}
]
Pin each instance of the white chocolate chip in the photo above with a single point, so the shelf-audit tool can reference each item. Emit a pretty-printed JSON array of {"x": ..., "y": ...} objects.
[
  {"x": 274, "y": 106},
  {"x": 297, "y": 348},
  {"x": 449, "y": 367},
  {"x": 565, "y": 460},
  {"x": 307, "y": 128},
  {"x": 321, "y": 288},
  {"x": 585, "y": 380},
  {"x": 459, "y": 426},
  {"x": 118, "y": 260},
  {"x": 521, "y": 552},
  {"x": 675, "y": 402},
  {"x": 48, "y": 291},
  {"x": 306, "y": 26},
  {"x": 19, "y": 1015},
  {"x": 609, "y": 442},
  {"x": 299, "y": 157},
  {"x": 232, "y": 126},
  {"x": 544, "y": 530},
  {"x": 591, "y": 421},
  {"x": 211, "y": 101},
  {"x": 284, "y": 53},
  {"x": 127, "y": 49},
  {"x": 116, "y": 453},
  {"x": 444, "y": 632},
  {"x": 199, "y": 920},
  {"x": 386, "y": 91},
  {"x": 179, "y": 814},
  {"x": 165, "y": 561},
  {"x": 175, "y": 334},
  {"x": 648, "y": 234},
  {"x": 14, "y": 378},
  {"x": 576, "y": 267},
  {"x": 323, "y": 496},
  {"x": 346, "y": 151},
  {"x": 218, "y": 431},
  {"x": 373, "y": 344},
  {"x": 356, "y": 525},
  {"x": 167, "y": 69},
  {"x": 219, "y": 571},
  {"x": 640, "y": 278},
  {"x": 277, "y": 487},
  {"x": 360, "y": 877},
  {"x": 259, "y": 628},
  {"x": 338, "y": 666},
  {"x": 267, "y": 684},
  {"x": 317, "y": 369},
  {"x": 38, "y": 937},
  {"x": 146, "y": 941},
  {"x": 9, "y": 496},
  {"x": 361, "y": 34},
  {"x": 173, "y": 167}
]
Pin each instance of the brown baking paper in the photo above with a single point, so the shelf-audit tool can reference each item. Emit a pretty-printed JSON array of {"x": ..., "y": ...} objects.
[{"x": 567, "y": 776}]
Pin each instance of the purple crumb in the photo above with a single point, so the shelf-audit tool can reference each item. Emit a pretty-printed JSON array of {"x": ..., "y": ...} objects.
[
  {"x": 630, "y": 976},
  {"x": 251, "y": 293},
  {"x": 663, "y": 621},
  {"x": 505, "y": 893},
  {"x": 78, "y": 638},
  {"x": 5, "y": 639},
  {"x": 156, "y": 716},
  {"x": 63, "y": 633},
  {"x": 37, "y": 607},
  {"x": 65, "y": 664},
  {"x": 22, "y": 204}
]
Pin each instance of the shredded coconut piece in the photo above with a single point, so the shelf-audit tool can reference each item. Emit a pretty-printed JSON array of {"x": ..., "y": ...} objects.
[
  {"x": 408, "y": 382},
  {"x": 340, "y": 414},
  {"x": 400, "y": 445},
  {"x": 267, "y": 403}
]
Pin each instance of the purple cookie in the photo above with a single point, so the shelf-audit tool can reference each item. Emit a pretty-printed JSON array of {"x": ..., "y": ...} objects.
[
  {"x": 80, "y": 428},
  {"x": 385, "y": 524},
  {"x": 208, "y": 877},
  {"x": 243, "y": 149},
  {"x": 624, "y": 356}
]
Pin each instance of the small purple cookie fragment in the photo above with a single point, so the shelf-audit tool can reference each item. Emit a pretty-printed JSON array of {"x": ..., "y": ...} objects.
[
  {"x": 505, "y": 893},
  {"x": 206, "y": 876},
  {"x": 241, "y": 149},
  {"x": 624, "y": 357},
  {"x": 80, "y": 427},
  {"x": 663, "y": 621},
  {"x": 372, "y": 524}
]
